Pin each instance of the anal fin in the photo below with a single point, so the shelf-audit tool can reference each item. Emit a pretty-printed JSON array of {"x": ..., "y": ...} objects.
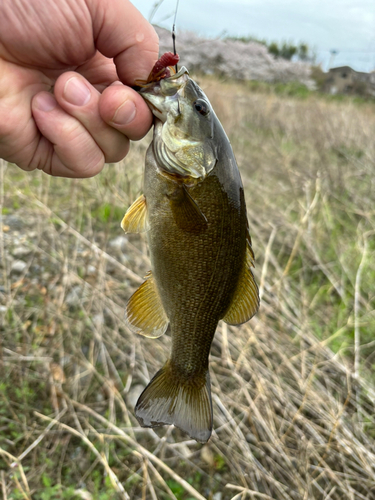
[
  {"x": 245, "y": 302},
  {"x": 144, "y": 312},
  {"x": 135, "y": 219}
]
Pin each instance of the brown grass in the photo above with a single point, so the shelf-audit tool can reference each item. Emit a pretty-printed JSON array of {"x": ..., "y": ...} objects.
[{"x": 293, "y": 390}]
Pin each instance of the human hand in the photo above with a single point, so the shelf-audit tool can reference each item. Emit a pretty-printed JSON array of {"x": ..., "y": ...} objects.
[{"x": 75, "y": 49}]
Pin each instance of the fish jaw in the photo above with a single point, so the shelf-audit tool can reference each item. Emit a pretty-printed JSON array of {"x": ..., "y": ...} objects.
[{"x": 163, "y": 96}]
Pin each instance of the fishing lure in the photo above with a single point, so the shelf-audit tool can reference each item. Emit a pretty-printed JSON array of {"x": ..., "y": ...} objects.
[{"x": 161, "y": 68}]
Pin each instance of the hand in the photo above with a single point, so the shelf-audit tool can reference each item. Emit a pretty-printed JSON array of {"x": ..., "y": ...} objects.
[{"x": 62, "y": 107}]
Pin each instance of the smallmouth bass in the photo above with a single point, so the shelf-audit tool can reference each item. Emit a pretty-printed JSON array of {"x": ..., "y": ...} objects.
[{"x": 193, "y": 209}]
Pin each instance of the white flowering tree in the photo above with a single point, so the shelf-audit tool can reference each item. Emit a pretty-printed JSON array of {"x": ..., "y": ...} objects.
[{"x": 233, "y": 58}]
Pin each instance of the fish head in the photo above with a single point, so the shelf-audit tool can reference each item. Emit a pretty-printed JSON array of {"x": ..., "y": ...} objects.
[{"x": 184, "y": 133}]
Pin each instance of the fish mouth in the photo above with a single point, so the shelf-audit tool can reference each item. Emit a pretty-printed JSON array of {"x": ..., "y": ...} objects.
[
  {"x": 143, "y": 87},
  {"x": 164, "y": 88},
  {"x": 163, "y": 96},
  {"x": 155, "y": 111}
]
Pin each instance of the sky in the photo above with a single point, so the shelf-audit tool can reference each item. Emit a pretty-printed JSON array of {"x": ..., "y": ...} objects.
[{"x": 345, "y": 26}]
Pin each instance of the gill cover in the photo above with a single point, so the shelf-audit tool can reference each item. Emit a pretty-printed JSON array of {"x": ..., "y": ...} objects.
[{"x": 184, "y": 126}]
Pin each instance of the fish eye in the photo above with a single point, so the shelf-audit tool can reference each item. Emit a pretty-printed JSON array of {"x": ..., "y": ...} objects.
[{"x": 201, "y": 107}]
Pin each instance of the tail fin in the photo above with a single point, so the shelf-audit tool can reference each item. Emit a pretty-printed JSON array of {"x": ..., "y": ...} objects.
[{"x": 169, "y": 399}]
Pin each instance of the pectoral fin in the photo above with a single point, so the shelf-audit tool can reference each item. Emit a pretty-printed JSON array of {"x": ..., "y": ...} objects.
[
  {"x": 135, "y": 219},
  {"x": 144, "y": 313},
  {"x": 186, "y": 212},
  {"x": 245, "y": 302}
]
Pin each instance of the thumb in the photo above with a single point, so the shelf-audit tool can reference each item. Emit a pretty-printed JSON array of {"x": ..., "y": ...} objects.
[{"x": 122, "y": 33}]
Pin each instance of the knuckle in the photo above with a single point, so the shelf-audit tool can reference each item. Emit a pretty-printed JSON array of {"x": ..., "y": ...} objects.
[
  {"x": 71, "y": 131},
  {"x": 41, "y": 158},
  {"x": 87, "y": 161},
  {"x": 118, "y": 151}
]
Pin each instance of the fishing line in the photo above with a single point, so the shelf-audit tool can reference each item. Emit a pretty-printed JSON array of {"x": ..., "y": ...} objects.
[
  {"x": 154, "y": 9},
  {"x": 174, "y": 32},
  {"x": 174, "y": 46}
]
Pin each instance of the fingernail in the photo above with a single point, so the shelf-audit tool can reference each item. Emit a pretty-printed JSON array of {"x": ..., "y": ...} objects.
[
  {"x": 45, "y": 102},
  {"x": 125, "y": 113},
  {"x": 76, "y": 92}
]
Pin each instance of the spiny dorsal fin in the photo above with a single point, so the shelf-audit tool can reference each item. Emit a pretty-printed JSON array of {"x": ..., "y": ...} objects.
[
  {"x": 245, "y": 302},
  {"x": 144, "y": 312},
  {"x": 172, "y": 399},
  {"x": 135, "y": 219},
  {"x": 186, "y": 212}
]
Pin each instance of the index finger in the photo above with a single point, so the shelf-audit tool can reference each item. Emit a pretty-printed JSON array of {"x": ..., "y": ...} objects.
[{"x": 122, "y": 33}]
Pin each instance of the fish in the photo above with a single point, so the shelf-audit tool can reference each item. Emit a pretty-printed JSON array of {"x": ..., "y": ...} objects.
[{"x": 193, "y": 212}]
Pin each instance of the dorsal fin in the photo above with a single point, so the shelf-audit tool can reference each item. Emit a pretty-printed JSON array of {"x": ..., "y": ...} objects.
[{"x": 245, "y": 302}]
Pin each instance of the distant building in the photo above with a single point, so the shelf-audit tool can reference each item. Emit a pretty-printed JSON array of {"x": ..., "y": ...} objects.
[{"x": 345, "y": 80}]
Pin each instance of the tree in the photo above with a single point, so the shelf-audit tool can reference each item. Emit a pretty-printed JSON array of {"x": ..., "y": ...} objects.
[
  {"x": 287, "y": 50},
  {"x": 303, "y": 51}
]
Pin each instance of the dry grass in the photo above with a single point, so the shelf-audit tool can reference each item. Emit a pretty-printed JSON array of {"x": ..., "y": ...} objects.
[{"x": 293, "y": 389}]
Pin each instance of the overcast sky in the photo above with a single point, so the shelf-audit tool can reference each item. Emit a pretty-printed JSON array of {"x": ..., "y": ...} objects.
[{"x": 347, "y": 26}]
